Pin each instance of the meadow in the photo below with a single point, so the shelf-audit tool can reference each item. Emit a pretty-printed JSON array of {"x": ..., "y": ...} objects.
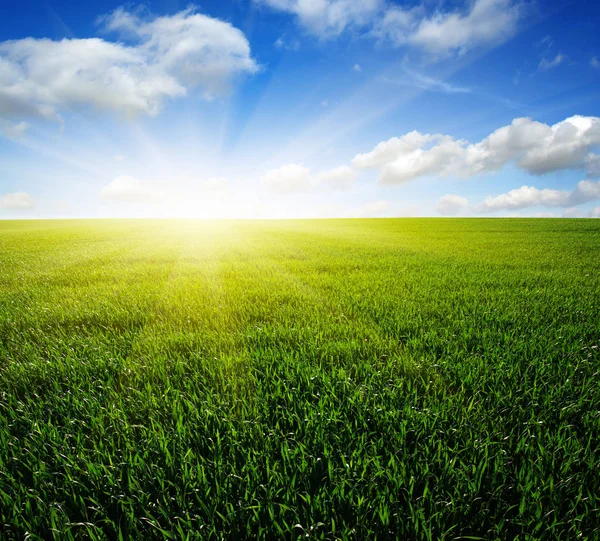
[{"x": 324, "y": 379}]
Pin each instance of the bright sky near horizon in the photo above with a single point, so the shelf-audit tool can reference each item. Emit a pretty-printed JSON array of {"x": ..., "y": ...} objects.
[{"x": 299, "y": 108}]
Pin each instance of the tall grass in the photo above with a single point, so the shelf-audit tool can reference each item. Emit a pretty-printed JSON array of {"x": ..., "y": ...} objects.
[{"x": 351, "y": 379}]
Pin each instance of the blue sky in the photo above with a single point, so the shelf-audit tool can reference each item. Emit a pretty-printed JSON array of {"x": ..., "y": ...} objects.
[{"x": 300, "y": 108}]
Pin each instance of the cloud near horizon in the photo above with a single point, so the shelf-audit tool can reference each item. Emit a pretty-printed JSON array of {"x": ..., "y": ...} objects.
[
  {"x": 169, "y": 55},
  {"x": 523, "y": 197},
  {"x": 451, "y": 205},
  {"x": 294, "y": 178},
  {"x": 533, "y": 146},
  {"x": 17, "y": 201},
  {"x": 129, "y": 188}
]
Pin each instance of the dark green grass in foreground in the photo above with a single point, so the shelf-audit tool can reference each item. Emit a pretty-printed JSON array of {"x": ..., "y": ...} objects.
[{"x": 356, "y": 379}]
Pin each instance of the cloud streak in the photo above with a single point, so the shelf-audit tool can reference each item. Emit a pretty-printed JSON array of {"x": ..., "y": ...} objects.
[
  {"x": 295, "y": 178},
  {"x": 129, "y": 188},
  {"x": 547, "y": 64}
]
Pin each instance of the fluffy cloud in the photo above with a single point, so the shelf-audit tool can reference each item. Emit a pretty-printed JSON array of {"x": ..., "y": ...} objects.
[
  {"x": 168, "y": 56},
  {"x": 451, "y": 205},
  {"x": 524, "y": 197},
  {"x": 17, "y": 201},
  {"x": 375, "y": 209},
  {"x": 293, "y": 177},
  {"x": 388, "y": 151},
  {"x": 528, "y": 196},
  {"x": 440, "y": 32},
  {"x": 535, "y": 147},
  {"x": 576, "y": 213},
  {"x": 328, "y": 18},
  {"x": 484, "y": 22},
  {"x": 339, "y": 178},
  {"x": 288, "y": 179},
  {"x": 592, "y": 164},
  {"x": 128, "y": 188}
]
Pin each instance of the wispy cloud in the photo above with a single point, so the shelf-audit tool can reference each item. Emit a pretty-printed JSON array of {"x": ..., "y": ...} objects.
[
  {"x": 13, "y": 130},
  {"x": 425, "y": 82},
  {"x": 17, "y": 201},
  {"x": 550, "y": 63},
  {"x": 287, "y": 44},
  {"x": 129, "y": 188},
  {"x": 295, "y": 178}
]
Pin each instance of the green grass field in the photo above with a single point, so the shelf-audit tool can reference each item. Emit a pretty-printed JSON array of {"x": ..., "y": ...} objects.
[{"x": 336, "y": 379}]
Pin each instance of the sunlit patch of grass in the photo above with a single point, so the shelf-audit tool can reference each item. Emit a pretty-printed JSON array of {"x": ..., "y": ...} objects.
[{"x": 351, "y": 379}]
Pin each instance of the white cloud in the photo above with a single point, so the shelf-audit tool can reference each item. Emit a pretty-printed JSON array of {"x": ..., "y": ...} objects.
[
  {"x": 481, "y": 22},
  {"x": 167, "y": 57},
  {"x": 339, "y": 178},
  {"x": 408, "y": 212},
  {"x": 288, "y": 179},
  {"x": 425, "y": 82},
  {"x": 451, "y": 205},
  {"x": 420, "y": 80},
  {"x": 216, "y": 184},
  {"x": 13, "y": 130},
  {"x": 546, "y": 64},
  {"x": 484, "y": 22},
  {"x": 375, "y": 209},
  {"x": 327, "y": 18},
  {"x": 387, "y": 151},
  {"x": 17, "y": 201},
  {"x": 535, "y": 147},
  {"x": 595, "y": 213},
  {"x": 287, "y": 45},
  {"x": 357, "y": 68},
  {"x": 573, "y": 213},
  {"x": 128, "y": 188},
  {"x": 545, "y": 43},
  {"x": 293, "y": 178},
  {"x": 595, "y": 63},
  {"x": 529, "y": 196},
  {"x": 592, "y": 164}
]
